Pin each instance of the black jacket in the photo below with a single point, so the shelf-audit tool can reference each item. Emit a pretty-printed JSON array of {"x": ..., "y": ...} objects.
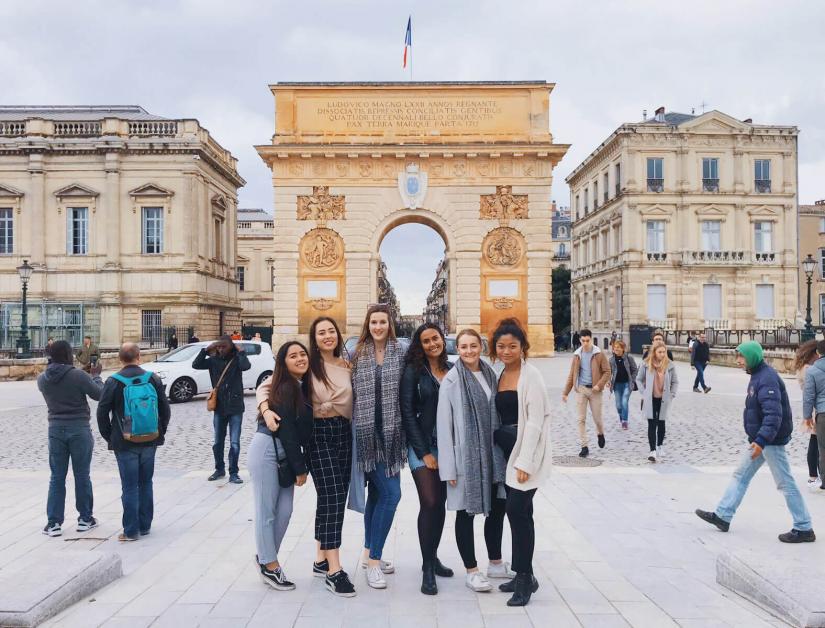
[
  {"x": 700, "y": 353},
  {"x": 65, "y": 389},
  {"x": 110, "y": 410},
  {"x": 294, "y": 432},
  {"x": 418, "y": 393},
  {"x": 230, "y": 394}
]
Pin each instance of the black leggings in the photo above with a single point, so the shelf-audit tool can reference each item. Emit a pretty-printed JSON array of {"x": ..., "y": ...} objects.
[
  {"x": 493, "y": 531},
  {"x": 522, "y": 527},
  {"x": 655, "y": 425},
  {"x": 813, "y": 456},
  {"x": 432, "y": 497}
]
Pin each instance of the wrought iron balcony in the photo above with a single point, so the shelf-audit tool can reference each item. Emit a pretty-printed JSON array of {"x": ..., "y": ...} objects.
[
  {"x": 763, "y": 186},
  {"x": 655, "y": 185},
  {"x": 656, "y": 257},
  {"x": 710, "y": 185},
  {"x": 713, "y": 257}
]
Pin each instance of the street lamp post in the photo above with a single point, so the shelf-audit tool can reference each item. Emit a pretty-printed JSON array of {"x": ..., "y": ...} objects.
[
  {"x": 808, "y": 265},
  {"x": 23, "y": 343}
]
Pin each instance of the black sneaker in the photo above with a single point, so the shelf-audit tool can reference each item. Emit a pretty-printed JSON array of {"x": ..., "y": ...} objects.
[
  {"x": 798, "y": 536},
  {"x": 234, "y": 478},
  {"x": 339, "y": 584},
  {"x": 707, "y": 390},
  {"x": 320, "y": 570},
  {"x": 696, "y": 390},
  {"x": 510, "y": 586},
  {"x": 216, "y": 475},
  {"x": 85, "y": 526},
  {"x": 276, "y": 579},
  {"x": 713, "y": 519},
  {"x": 52, "y": 529},
  {"x": 584, "y": 452},
  {"x": 601, "y": 441}
]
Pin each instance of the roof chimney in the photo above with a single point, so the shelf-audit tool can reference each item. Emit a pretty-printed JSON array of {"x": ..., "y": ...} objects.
[
  {"x": 644, "y": 115},
  {"x": 660, "y": 114},
  {"x": 748, "y": 121}
]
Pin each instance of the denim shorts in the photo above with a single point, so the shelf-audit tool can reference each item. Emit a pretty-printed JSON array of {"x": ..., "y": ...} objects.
[{"x": 416, "y": 462}]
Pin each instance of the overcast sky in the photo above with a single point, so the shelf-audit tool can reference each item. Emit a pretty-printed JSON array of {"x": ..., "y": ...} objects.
[{"x": 213, "y": 59}]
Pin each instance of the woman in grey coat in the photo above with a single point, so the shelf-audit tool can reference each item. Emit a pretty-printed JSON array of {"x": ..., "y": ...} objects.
[
  {"x": 468, "y": 460},
  {"x": 658, "y": 383}
]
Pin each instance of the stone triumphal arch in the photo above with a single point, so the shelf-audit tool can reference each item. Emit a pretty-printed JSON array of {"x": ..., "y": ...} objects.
[{"x": 352, "y": 161}]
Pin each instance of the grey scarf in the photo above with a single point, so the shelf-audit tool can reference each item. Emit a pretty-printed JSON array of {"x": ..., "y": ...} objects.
[
  {"x": 391, "y": 449},
  {"x": 484, "y": 462}
]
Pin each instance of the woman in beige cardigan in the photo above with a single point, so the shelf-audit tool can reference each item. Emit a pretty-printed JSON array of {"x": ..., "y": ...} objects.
[{"x": 524, "y": 436}]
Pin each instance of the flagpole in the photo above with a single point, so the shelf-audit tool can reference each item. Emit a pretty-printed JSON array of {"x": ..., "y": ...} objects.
[{"x": 411, "y": 54}]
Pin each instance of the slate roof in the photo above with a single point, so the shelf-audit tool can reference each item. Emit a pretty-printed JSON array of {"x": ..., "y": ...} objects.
[
  {"x": 672, "y": 118},
  {"x": 76, "y": 112},
  {"x": 253, "y": 214}
]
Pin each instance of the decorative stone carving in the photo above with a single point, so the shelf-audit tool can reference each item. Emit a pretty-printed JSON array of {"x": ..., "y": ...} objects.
[
  {"x": 322, "y": 249},
  {"x": 503, "y": 247},
  {"x": 320, "y": 206},
  {"x": 322, "y": 304},
  {"x": 503, "y": 205}
]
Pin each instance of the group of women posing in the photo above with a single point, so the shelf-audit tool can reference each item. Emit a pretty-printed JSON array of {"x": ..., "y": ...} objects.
[{"x": 476, "y": 443}]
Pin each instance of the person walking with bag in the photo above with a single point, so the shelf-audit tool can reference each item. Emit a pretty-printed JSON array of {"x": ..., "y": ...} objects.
[
  {"x": 524, "y": 436},
  {"x": 65, "y": 389},
  {"x": 658, "y": 383},
  {"x": 133, "y": 416},
  {"x": 813, "y": 407},
  {"x": 473, "y": 467},
  {"x": 381, "y": 448},
  {"x": 806, "y": 355},
  {"x": 623, "y": 371},
  {"x": 225, "y": 362},
  {"x": 425, "y": 368},
  {"x": 768, "y": 423},
  {"x": 330, "y": 447},
  {"x": 277, "y": 457}
]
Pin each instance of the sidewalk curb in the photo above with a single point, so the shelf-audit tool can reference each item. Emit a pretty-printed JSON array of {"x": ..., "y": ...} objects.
[
  {"x": 787, "y": 589},
  {"x": 30, "y": 594}
]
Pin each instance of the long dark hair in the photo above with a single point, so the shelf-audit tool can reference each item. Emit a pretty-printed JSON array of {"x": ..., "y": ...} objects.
[
  {"x": 285, "y": 390},
  {"x": 415, "y": 354},
  {"x": 513, "y": 327},
  {"x": 316, "y": 362},
  {"x": 365, "y": 336}
]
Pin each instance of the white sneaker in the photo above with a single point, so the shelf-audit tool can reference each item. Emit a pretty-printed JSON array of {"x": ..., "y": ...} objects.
[
  {"x": 375, "y": 578},
  {"x": 500, "y": 570},
  {"x": 477, "y": 582},
  {"x": 652, "y": 456},
  {"x": 386, "y": 566},
  {"x": 814, "y": 484},
  {"x": 660, "y": 452}
]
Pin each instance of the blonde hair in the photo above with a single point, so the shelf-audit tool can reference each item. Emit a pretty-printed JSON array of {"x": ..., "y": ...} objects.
[{"x": 650, "y": 355}]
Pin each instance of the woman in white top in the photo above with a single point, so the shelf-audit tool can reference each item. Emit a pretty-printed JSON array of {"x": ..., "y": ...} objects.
[{"x": 472, "y": 466}]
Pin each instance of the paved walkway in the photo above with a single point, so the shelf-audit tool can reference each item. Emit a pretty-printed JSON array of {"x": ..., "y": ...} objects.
[{"x": 618, "y": 545}]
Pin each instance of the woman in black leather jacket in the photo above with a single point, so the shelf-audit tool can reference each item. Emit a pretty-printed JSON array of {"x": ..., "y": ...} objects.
[{"x": 426, "y": 366}]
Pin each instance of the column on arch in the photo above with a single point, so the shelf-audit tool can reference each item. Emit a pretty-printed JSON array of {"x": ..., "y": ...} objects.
[{"x": 466, "y": 309}]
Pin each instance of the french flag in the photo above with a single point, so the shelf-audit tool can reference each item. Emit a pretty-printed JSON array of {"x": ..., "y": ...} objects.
[{"x": 408, "y": 41}]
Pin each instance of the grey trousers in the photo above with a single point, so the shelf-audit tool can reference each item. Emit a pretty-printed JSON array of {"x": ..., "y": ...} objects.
[
  {"x": 820, "y": 440},
  {"x": 273, "y": 504}
]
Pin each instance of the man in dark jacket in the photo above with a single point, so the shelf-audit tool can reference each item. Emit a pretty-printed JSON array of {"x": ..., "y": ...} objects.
[
  {"x": 65, "y": 389},
  {"x": 699, "y": 358},
  {"x": 135, "y": 460},
  {"x": 88, "y": 354},
  {"x": 768, "y": 424},
  {"x": 223, "y": 355}
]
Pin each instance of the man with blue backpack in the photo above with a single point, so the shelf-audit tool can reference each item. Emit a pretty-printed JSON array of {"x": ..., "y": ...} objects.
[{"x": 133, "y": 415}]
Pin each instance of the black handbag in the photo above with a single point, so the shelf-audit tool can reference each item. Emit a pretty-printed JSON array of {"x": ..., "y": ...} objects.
[
  {"x": 286, "y": 476},
  {"x": 505, "y": 437}
]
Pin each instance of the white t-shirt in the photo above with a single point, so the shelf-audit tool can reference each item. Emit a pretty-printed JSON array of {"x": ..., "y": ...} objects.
[{"x": 483, "y": 381}]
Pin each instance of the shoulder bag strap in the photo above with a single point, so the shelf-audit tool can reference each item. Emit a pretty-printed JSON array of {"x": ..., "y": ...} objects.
[{"x": 225, "y": 369}]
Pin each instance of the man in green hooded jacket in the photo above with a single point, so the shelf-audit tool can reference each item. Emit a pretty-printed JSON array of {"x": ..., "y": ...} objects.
[{"x": 768, "y": 423}]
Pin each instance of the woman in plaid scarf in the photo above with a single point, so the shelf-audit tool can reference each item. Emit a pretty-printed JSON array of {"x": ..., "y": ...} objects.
[{"x": 380, "y": 447}]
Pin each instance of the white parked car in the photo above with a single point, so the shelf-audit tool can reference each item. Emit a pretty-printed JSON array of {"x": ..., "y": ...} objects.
[{"x": 182, "y": 382}]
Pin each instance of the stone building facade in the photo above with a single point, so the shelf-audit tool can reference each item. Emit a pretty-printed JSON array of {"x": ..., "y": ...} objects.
[
  {"x": 812, "y": 241},
  {"x": 562, "y": 235},
  {"x": 437, "y": 306},
  {"x": 686, "y": 222},
  {"x": 473, "y": 161},
  {"x": 255, "y": 270},
  {"x": 123, "y": 214}
]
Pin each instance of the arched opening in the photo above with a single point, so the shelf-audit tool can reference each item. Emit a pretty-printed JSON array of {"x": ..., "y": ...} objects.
[{"x": 412, "y": 271}]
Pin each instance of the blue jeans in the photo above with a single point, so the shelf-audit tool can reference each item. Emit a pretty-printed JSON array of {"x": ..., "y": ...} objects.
[
  {"x": 136, "y": 466},
  {"x": 73, "y": 442},
  {"x": 700, "y": 375},
  {"x": 220, "y": 424},
  {"x": 383, "y": 495},
  {"x": 777, "y": 459},
  {"x": 621, "y": 394}
]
